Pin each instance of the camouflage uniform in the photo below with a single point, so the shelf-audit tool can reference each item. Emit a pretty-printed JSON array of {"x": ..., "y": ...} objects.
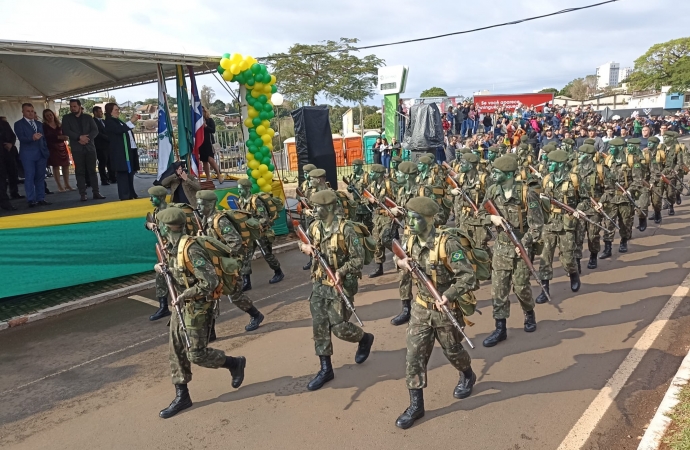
[
  {"x": 667, "y": 160},
  {"x": 256, "y": 206},
  {"x": 474, "y": 184},
  {"x": 427, "y": 321},
  {"x": 329, "y": 313},
  {"x": 364, "y": 215},
  {"x": 383, "y": 224},
  {"x": 592, "y": 178}
]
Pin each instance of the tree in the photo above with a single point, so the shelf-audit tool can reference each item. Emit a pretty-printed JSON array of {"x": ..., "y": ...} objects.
[
  {"x": 206, "y": 96},
  {"x": 217, "y": 107},
  {"x": 372, "y": 121},
  {"x": 553, "y": 91},
  {"x": 328, "y": 69},
  {"x": 434, "y": 92},
  {"x": 580, "y": 88},
  {"x": 220, "y": 125},
  {"x": 665, "y": 64}
]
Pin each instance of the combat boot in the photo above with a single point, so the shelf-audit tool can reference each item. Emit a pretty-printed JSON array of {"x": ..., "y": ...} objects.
[
  {"x": 579, "y": 267},
  {"x": 678, "y": 200},
  {"x": 278, "y": 276},
  {"x": 364, "y": 348},
  {"x": 414, "y": 411},
  {"x": 236, "y": 367},
  {"x": 574, "y": 281},
  {"x": 671, "y": 211},
  {"x": 623, "y": 248},
  {"x": 325, "y": 374},
  {"x": 657, "y": 217},
  {"x": 246, "y": 283},
  {"x": 592, "y": 264},
  {"x": 607, "y": 250},
  {"x": 163, "y": 310},
  {"x": 377, "y": 272},
  {"x": 464, "y": 387},
  {"x": 542, "y": 298},
  {"x": 181, "y": 402},
  {"x": 498, "y": 335},
  {"x": 643, "y": 224},
  {"x": 256, "y": 319},
  {"x": 530, "y": 324},
  {"x": 307, "y": 266},
  {"x": 404, "y": 315}
]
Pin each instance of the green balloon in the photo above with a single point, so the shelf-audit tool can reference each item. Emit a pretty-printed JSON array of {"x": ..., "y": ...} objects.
[
  {"x": 251, "y": 102},
  {"x": 250, "y": 82},
  {"x": 249, "y": 98},
  {"x": 271, "y": 167},
  {"x": 220, "y": 70},
  {"x": 249, "y": 142},
  {"x": 247, "y": 74},
  {"x": 256, "y": 68},
  {"x": 226, "y": 55},
  {"x": 263, "y": 68},
  {"x": 249, "y": 172},
  {"x": 258, "y": 142},
  {"x": 265, "y": 151},
  {"x": 255, "y": 189},
  {"x": 256, "y": 121},
  {"x": 270, "y": 115},
  {"x": 266, "y": 160},
  {"x": 262, "y": 98},
  {"x": 252, "y": 149},
  {"x": 262, "y": 115},
  {"x": 274, "y": 89},
  {"x": 268, "y": 107},
  {"x": 252, "y": 134}
]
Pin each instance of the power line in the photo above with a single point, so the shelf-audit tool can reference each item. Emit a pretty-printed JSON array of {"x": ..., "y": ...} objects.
[{"x": 408, "y": 41}]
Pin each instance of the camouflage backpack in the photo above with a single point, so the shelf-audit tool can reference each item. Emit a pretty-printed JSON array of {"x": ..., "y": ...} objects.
[
  {"x": 248, "y": 227},
  {"x": 362, "y": 232},
  {"x": 191, "y": 225},
  {"x": 227, "y": 268},
  {"x": 273, "y": 205}
]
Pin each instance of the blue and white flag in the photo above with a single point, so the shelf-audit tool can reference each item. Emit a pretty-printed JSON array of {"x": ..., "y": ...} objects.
[{"x": 165, "y": 146}]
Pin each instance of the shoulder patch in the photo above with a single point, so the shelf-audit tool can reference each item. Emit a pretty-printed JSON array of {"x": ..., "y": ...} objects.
[
  {"x": 457, "y": 256},
  {"x": 356, "y": 241},
  {"x": 226, "y": 230},
  {"x": 199, "y": 262},
  {"x": 533, "y": 205}
]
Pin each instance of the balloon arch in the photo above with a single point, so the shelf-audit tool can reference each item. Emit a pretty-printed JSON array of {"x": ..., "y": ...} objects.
[{"x": 261, "y": 94}]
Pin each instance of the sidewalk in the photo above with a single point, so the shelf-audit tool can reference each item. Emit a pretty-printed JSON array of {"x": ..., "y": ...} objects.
[{"x": 22, "y": 309}]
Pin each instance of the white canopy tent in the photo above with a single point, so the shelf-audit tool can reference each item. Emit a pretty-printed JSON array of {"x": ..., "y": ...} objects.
[{"x": 40, "y": 73}]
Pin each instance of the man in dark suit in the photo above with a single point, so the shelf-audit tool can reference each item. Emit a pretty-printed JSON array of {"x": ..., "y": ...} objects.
[
  {"x": 8, "y": 164},
  {"x": 82, "y": 130},
  {"x": 33, "y": 152},
  {"x": 102, "y": 142}
]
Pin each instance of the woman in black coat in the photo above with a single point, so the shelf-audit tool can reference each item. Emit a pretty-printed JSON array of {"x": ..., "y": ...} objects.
[{"x": 123, "y": 154}]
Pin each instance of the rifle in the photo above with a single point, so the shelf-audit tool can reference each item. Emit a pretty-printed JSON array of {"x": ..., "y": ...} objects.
[
  {"x": 570, "y": 210},
  {"x": 357, "y": 194},
  {"x": 329, "y": 272},
  {"x": 680, "y": 180},
  {"x": 197, "y": 217},
  {"x": 491, "y": 209},
  {"x": 391, "y": 204},
  {"x": 630, "y": 199},
  {"x": 161, "y": 253},
  {"x": 536, "y": 172},
  {"x": 383, "y": 206},
  {"x": 429, "y": 285},
  {"x": 601, "y": 211},
  {"x": 450, "y": 179},
  {"x": 302, "y": 199}
]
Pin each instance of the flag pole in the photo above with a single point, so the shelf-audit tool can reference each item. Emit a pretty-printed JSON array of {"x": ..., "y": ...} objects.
[{"x": 176, "y": 150}]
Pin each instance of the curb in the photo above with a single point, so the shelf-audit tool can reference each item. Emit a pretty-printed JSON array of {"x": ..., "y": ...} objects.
[{"x": 661, "y": 421}]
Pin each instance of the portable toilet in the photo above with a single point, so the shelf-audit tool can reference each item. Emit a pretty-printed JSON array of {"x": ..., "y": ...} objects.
[
  {"x": 291, "y": 149},
  {"x": 369, "y": 141},
  {"x": 338, "y": 147},
  {"x": 353, "y": 147}
]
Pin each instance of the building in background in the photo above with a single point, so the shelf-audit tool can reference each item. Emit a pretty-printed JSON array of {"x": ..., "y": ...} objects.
[
  {"x": 660, "y": 99},
  {"x": 624, "y": 74},
  {"x": 607, "y": 75}
]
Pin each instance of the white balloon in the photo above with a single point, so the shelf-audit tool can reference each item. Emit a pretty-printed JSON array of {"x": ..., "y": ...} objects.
[{"x": 277, "y": 99}]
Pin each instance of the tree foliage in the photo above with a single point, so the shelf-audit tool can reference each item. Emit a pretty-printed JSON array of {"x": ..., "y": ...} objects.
[
  {"x": 665, "y": 64},
  {"x": 434, "y": 92},
  {"x": 553, "y": 91},
  {"x": 372, "y": 121},
  {"x": 335, "y": 115},
  {"x": 206, "y": 95},
  {"x": 329, "y": 69},
  {"x": 580, "y": 88},
  {"x": 217, "y": 107}
]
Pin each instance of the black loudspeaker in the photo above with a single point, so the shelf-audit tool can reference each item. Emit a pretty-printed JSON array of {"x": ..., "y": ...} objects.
[{"x": 314, "y": 142}]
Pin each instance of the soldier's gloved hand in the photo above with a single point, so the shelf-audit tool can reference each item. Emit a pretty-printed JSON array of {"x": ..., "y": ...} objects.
[
  {"x": 307, "y": 249},
  {"x": 442, "y": 303},
  {"x": 396, "y": 211},
  {"x": 455, "y": 191},
  {"x": 579, "y": 214},
  {"x": 599, "y": 205},
  {"x": 158, "y": 267},
  {"x": 404, "y": 264},
  {"x": 178, "y": 299},
  {"x": 309, "y": 212},
  {"x": 496, "y": 220},
  {"x": 338, "y": 279},
  {"x": 517, "y": 251},
  {"x": 350, "y": 188},
  {"x": 149, "y": 226}
]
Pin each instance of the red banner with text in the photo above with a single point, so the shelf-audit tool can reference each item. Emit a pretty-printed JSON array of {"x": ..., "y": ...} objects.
[{"x": 490, "y": 103}]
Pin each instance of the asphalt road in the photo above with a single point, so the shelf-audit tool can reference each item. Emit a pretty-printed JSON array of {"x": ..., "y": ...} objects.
[{"x": 97, "y": 377}]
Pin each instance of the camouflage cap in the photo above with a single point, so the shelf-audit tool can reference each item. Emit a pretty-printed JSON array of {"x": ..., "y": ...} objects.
[
  {"x": 548, "y": 148},
  {"x": 634, "y": 141},
  {"x": 432, "y": 156},
  {"x": 616, "y": 142},
  {"x": 511, "y": 155},
  {"x": 471, "y": 158},
  {"x": 589, "y": 141},
  {"x": 654, "y": 139},
  {"x": 568, "y": 141},
  {"x": 207, "y": 195},
  {"x": 423, "y": 205},
  {"x": 425, "y": 160},
  {"x": 357, "y": 162},
  {"x": 396, "y": 159},
  {"x": 670, "y": 134},
  {"x": 559, "y": 156},
  {"x": 244, "y": 182},
  {"x": 495, "y": 149},
  {"x": 465, "y": 150},
  {"x": 587, "y": 148},
  {"x": 523, "y": 146},
  {"x": 158, "y": 191},
  {"x": 308, "y": 168},
  {"x": 407, "y": 167},
  {"x": 523, "y": 139},
  {"x": 506, "y": 164},
  {"x": 325, "y": 197},
  {"x": 172, "y": 216},
  {"x": 378, "y": 168},
  {"x": 317, "y": 173}
]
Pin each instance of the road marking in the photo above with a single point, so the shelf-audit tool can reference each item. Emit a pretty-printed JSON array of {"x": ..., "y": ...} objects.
[
  {"x": 59, "y": 372},
  {"x": 141, "y": 299},
  {"x": 584, "y": 427}
]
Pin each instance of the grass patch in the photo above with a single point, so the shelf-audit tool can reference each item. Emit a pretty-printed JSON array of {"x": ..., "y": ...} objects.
[{"x": 678, "y": 435}]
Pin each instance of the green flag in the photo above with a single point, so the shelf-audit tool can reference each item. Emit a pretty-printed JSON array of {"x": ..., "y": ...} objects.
[{"x": 184, "y": 117}]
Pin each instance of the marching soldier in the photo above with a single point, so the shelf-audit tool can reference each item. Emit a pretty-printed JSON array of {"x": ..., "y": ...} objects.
[
  {"x": 454, "y": 279},
  {"x": 432, "y": 185},
  {"x": 339, "y": 244},
  {"x": 474, "y": 184},
  {"x": 592, "y": 176},
  {"x": 383, "y": 229},
  {"x": 358, "y": 182},
  {"x": 259, "y": 209},
  {"x": 195, "y": 288},
  {"x": 520, "y": 206},
  {"x": 217, "y": 225},
  {"x": 559, "y": 227},
  {"x": 157, "y": 195},
  {"x": 306, "y": 186},
  {"x": 659, "y": 189},
  {"x": 395, "y": 162}
]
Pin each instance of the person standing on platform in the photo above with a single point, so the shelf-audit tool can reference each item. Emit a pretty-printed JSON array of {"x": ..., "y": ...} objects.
[
  {"x": 123, "y": 155},
  {"x": 206, "y": 149},
  {"x": 59, "y": 158},
  {"x": 82, "y": 130},
  {"x": 105, "y": 166},
  {"x": 33, "y": 154}
]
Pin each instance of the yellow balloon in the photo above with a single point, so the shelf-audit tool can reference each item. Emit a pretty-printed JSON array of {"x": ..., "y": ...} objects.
[
  {"x": 251, "y": 60},
  {"x": 268, "y": 176},
  {"x": 236, "y": 58},
  {"x": 266, "y": 123},
  {"x": 248, "y": 122},
  {"x": 266, "y": 138},
  {"x": 250, "y": 156},
  {"x": 263, "y": 168},
  {"x": 225, "y": 63},
  {"x": 271, "y": 132},
  {"x": 259, "y": 86},
  {"x": 269, "y": 145},
  {"x": 256, "y": 93},
  {"x": 256, "y": 174},
  {"x": 267, "y": 89},
  {"x": 252, "y": 112},
  {"x": 243, "y": 65},
  {"x": 260, "y": 130},
  {"x": 235, "y": 69},
  {"x": 260, "y": 181},
  {"x": 227, "y": 75},
  {"x": 273, "y": 79},
  {"x": 253, "y": 164},
  {"x": 266, "y": 187}
]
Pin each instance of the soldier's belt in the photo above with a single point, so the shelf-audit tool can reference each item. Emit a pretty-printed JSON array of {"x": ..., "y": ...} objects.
[{"x": 432, "y": 305}]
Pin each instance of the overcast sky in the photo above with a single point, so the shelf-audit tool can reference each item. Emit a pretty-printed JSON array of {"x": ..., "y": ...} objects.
[{"x": 519, "y": 58}]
